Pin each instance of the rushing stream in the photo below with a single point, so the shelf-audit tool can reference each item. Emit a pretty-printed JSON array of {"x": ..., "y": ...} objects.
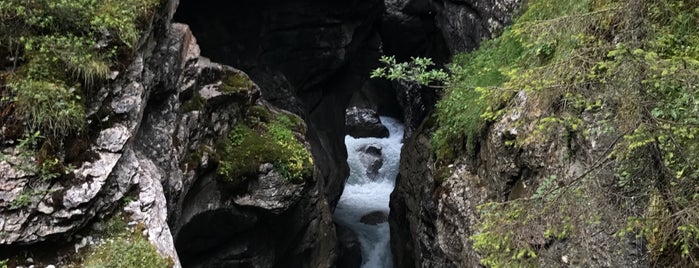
[{"x": 369, "y": 193}]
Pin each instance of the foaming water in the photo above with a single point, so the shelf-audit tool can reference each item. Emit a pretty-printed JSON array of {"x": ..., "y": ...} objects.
[{"x": 363, "y": 195}]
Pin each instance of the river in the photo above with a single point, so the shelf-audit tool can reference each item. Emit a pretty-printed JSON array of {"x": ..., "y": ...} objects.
[{"x": 364, "y": 195}]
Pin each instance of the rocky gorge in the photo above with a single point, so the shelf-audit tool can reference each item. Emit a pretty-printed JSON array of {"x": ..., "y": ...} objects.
[{"x": 221, "y": 141}]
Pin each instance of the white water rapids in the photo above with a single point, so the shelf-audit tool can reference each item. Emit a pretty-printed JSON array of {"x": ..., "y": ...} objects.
[{"x": 363, "y": 195}]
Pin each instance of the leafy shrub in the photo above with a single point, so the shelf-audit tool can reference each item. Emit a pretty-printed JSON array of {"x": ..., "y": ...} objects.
[{"x": 420, "y": 70}]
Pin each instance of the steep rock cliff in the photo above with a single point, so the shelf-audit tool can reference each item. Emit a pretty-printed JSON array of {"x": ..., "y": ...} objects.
[
  {"x": 443, "y": 212},
  {"x": 155, "y": 134}
]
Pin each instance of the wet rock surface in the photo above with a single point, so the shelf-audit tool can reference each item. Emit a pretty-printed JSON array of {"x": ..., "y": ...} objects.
[
  {"x": 413, "y": 208},
  {"x": 364, "y": 123},
  {"x": 349, "y": 250},
  {"x": 374, "y": 218},
  {"x": 371, "y": 158}
]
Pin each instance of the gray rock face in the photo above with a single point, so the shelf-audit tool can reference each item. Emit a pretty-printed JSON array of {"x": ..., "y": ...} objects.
[
  {"x": 270, "y": 192},
  {"x": 440, "y": 28},
  {"x": 364, "y": 123},
  {"x": 371, "y": 158},
  {"x": 417, "y": 103},
  {"x": 157, "y": 126},
  {"x": 464, "y": 23},
  {"x": 409, "y": 29},
  {"x": 35, "y": 210}
]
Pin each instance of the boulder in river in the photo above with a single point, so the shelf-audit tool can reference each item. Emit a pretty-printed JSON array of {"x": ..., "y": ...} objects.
[
  {"x": 374, "y": 218},
  {"x": 371, "y": 158},
  {"x": 364, "y": 123}
]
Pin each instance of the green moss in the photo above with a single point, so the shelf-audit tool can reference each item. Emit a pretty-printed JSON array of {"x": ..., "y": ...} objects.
[
  {"x": 124, "y": 247},
  {"x": 292, "y": 121},
  {"x": 126, "y": 252},
  {"x": 473, "y": 91},
  {"x": 247, "y": 147},
  {"x": 259, "y": 114},
  {"x": 242, "y": 152},
  {"x": 235, "y": 82}
]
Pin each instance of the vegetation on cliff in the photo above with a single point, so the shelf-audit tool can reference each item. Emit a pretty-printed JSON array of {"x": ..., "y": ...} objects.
[
  {"x": 637, "y": 60},
  {"x": 53, "y": 56},
  {"x": 635, "y": 65},
  {"x": 54, "y": 53},
  {"x": 121, "y": 246}
]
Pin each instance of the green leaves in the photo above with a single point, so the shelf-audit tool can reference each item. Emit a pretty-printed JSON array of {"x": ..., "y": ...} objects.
[{"x": 419, "y": 70}]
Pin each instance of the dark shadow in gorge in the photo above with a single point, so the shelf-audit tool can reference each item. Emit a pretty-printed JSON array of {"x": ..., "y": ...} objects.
[{"x": 311, "y": 57}]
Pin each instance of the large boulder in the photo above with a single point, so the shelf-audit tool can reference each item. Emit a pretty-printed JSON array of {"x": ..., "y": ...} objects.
[
  {"x": 374, "y": 218},
  {"x": 364, "y": 123}
]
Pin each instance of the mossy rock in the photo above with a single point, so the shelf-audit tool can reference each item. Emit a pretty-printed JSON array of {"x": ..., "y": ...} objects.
[
  {"x": 61, "y": 62},
  {"x": 242, "y": 152},
  {"x": 259, "y": 113},
  {"x": 267, "y": 138},
  {"x": 235, "y": 81}
]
